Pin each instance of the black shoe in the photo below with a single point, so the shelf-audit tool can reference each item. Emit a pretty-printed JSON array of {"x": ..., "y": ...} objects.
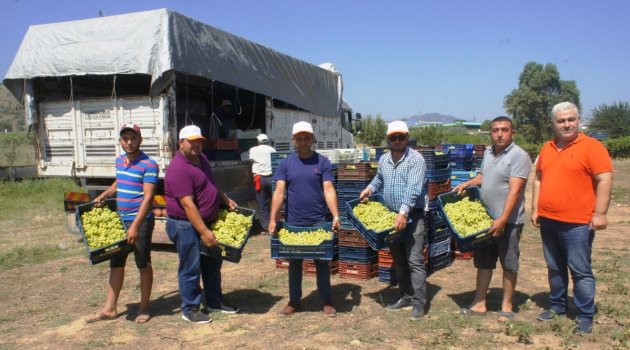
[
  {"x": 584, "y": 326},
  {"x": 224, "y": 308},
  {"x": 196, "y": 316},
  {"x": 402, "y": 304},
  {"x": 417, "y": 313},
  {"x": 548, "y": 315}
]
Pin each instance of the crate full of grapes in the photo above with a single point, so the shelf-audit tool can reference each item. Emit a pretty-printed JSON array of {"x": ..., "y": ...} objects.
[
  {"x": 103, "y": 231},
  {"x": 375, "y": 221},
  {"x": 295, "y": 242},
  {"x": 232, "y": 230},
  {"x": 467, "y": 217}
]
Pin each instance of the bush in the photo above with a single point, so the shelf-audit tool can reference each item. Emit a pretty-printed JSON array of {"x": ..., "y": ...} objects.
[{"x": 619, "y": 147}]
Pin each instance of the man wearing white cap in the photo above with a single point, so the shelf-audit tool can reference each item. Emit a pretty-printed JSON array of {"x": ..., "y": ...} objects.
[
  {"x": 401, "y": 176},
  {"x": 226, "y": 116},
  {"x": 261, "y": 156},
  {"x": 307, "y": 178},
  {"x": 192, "y": 204}
]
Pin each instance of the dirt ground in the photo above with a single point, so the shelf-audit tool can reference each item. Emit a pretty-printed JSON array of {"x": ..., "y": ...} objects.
[{"x": 44, "y": 305}]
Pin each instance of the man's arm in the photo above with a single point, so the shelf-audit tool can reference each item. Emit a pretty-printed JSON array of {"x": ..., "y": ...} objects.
[
  {"x": 603, "y": 188},
  {"x": 535, "y": 193},
  {"x": 228, "y": 201},
  {"x": 475, "y": 181},
  {"x": 148, "y": 190},
  {"x": 193, "y": 215},
  {"x": 516, "y": 185},
  {"x": 276, "y": 202},
  {"x": 330, "y": 195},
  {"x": 110, "y": 191}
]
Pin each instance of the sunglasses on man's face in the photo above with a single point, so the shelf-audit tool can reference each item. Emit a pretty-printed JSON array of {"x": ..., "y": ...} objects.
[{"x": 399, "y": 137}]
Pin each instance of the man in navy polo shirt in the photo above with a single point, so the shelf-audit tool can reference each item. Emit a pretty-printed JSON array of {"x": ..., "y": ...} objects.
[
  {"x": 136, "y": 179},
  {"x": 192, "y": 204},
  {"x": 307, "y": 178}
]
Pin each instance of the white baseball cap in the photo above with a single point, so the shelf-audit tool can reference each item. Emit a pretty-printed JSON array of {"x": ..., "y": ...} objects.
[
  {"x": 190, "y": 132},
  {"x": 397, "y": 126},
  {"x": 302, "y": 127},
  {"x": 262, "y": 138}
]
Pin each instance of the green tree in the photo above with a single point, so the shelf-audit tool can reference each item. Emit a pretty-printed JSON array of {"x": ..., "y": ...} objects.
[
  {"x": 428, "y": 135},
  {"x": 374, "y": 131},
  {"x": 615, "y": 119},
  {"x": 539, "y": 89},
  {"x": 485, "y": 126}
]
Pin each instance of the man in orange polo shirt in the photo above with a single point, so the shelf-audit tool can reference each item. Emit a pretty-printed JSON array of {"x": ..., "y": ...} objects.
[{"x": 570, "y": 199}]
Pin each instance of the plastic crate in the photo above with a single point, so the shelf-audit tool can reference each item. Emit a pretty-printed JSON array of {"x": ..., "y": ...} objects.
[
  {"x": 472, "y": 241},
  {"x": 219, "y": 154},
  {"x": 435, "y": 220},
  {"x": 387, "y": 275},
  {"x": 360, "y": 271},
  {"x": 225, "y": 251},
  {"x": 282, "y": 263},
  {"x": 381, "y": 239},
  {"x": 99, "y": 255},
  {"x": 434, "y": 160},
  {"x": 340, "y": 156},
  {"x": 323, "y": 251},
  {"x": 438, "y": 248},
  {"x": 461, "y": 164},
  {"x": 352, "y": 238},
  {"x": 309, "y": 268},
  {"x": 439, "y": 262},
  {"x": 434, "y": 188},
  {"x": 438, "y": 235},
  {"x": 354, "y": 254},
  {"x": 357, "y": 171},
  {"x": 437, "y": 175},
  {"x": 385, "y": 258},
  {"x": 223, "y": 144}
]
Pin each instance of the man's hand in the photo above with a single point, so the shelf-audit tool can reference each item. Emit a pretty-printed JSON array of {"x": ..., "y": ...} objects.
[
  {"x": 272, "y": 226},
  {"x": 459, "y": 188},
  {"x": 132, "y": 234},
  {"x": 534, "y": 218},
  {"x": 400, "y": 223},
  {"x": 98, "y": 201},
  {"x": 364, "y": 194},
  {"x": 598, "y": 222},
  {"x": 497, "y": 228},
  {"x": 336, "y": 224},
  {"x": 232, "y": 204},
  {"x": 208, "y": 238}
]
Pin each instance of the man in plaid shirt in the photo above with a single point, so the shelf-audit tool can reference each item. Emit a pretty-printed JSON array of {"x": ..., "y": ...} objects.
[{"x": 400, "y": 176}]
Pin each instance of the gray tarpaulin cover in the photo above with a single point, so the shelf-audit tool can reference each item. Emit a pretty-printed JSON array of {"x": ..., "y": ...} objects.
[{"x": 160, "y": 42}]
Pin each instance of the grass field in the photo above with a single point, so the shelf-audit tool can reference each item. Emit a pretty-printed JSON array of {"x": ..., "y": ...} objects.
[{"x": 48, "y": 287}]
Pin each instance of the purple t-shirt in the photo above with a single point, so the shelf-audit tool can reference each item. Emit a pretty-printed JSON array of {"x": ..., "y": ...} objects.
[
  {"x": 184, "y": 178},
  {"x": 305, "y": 204}
]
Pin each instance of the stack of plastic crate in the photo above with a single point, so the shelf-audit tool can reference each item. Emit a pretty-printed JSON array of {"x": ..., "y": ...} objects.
[
  {"x": 478, "y": 151},
  {"x": 461, "y": 176},
  {"x": 356, "y": 259},
  {"x": 461, "y": 155},
  {"x": 386, "y": 268},
  {"x": 438, "y": 175},
  {"x": 352, "y": 178},
  {"x": 438, "y": 253},
  {"x": 276, "y": 157},
  {"x": 308, "y": 266}
]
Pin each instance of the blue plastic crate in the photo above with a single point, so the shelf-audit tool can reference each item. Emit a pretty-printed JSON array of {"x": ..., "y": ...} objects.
[
  {"x": 225, "y": 251},
  {"x": 356, "y": 254},
  {"x": 436, "y": 161},
  {"x": 439, "y": 248},
  {"x": 381, "y": 239},
  {"x": 438, "y": 235},
  {"x": 464, "y": 175},
  {"x": 323, "y": 251},
  {"x": 472, "y": 241},
  {"x": 387, "y": 275},
  {"x": 439, "y": 262},
  {"x": 435, "y": 220},
  {"x": 437, "y": 175}
]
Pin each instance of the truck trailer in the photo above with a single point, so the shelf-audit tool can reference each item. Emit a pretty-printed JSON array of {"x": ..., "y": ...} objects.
[{"x": 80, "y": 80}]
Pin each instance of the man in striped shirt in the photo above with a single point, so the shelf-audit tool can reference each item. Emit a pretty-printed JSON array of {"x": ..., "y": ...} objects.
[
  {"x": 400, "y": 176},
  {"x": 136, "y": 180}
]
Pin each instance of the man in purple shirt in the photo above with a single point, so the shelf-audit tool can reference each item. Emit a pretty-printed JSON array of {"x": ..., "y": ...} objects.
[
  {"x": 308, "y": 180},
  {"x": 192, "y": 204}
]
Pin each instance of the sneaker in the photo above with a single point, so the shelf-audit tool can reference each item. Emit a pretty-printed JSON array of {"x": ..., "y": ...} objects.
[
  {"x": 548, "y": 315},
  {"x": 584, "y": 326},
  {"x": 417, "y": 312},
  {"x": 402, "y": 304},
  {"x": 196, "y": 316},
  {"x": 329, "y": 310},
  {"x": 290, "y": 309},
  {"x": 224, "y": 308}
]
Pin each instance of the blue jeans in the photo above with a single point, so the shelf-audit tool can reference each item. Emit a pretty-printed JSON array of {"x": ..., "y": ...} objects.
[
  {"x": 192, "y": 265},
  {"x": 568, "y": 246},
  {"x": 295, "y": 281},
  {"x": 409, "y": 262}
]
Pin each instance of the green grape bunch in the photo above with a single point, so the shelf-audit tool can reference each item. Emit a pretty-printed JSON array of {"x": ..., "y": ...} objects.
[
  {"x": 304, "y": 238},
  {"x": 102, "y": 227},
  {"x": 467, "y": 217},
  {"x": 231, "y": 228},
  {"x": 374, "y": 215}
]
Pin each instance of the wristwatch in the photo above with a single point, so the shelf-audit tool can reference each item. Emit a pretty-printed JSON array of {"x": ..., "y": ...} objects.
[{"x": 335, "y": 218}]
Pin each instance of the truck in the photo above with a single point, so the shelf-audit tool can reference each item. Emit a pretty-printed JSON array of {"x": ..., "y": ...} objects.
[{"x": 80, "y": 80}]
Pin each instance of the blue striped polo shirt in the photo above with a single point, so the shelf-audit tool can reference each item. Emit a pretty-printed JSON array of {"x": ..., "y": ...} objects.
[{"x": 130, "y": 179}]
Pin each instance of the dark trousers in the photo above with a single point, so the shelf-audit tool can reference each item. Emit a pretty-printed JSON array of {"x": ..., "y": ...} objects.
[
  {"x": 409, "y": 261},
  {"x": 263, "y": 198}
]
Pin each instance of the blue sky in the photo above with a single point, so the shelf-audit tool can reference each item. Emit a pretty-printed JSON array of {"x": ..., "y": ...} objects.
[{"x": 402, "y": 58}]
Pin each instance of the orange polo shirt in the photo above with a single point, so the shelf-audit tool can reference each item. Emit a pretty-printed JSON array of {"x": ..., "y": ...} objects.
[{"x": 567, "y": 189}]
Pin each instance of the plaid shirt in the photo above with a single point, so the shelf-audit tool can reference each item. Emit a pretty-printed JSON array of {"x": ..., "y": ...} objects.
[{"x": 402, "y": 182}]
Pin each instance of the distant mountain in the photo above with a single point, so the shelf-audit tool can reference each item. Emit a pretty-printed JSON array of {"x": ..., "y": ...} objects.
[{"x": 430, "y": 118}]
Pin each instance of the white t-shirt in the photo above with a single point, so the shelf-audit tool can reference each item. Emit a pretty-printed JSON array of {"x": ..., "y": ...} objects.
[{"x": 261, "y": 155}]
